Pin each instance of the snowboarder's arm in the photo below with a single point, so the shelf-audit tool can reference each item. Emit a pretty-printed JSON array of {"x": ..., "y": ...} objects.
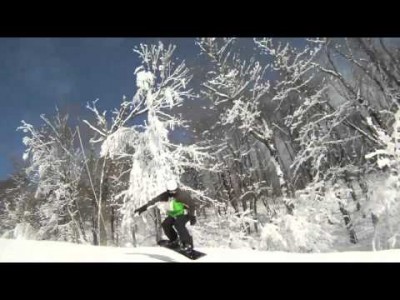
[
  {"x": 190, "y": 204},
  {"x": 161, "y": 197}
]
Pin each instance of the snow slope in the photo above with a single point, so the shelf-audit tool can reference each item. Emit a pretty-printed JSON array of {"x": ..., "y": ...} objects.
[{"x": 48, "y": 251}]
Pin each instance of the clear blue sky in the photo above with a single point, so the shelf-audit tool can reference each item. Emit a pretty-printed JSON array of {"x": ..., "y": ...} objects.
[{"x": 36, "y": 74}]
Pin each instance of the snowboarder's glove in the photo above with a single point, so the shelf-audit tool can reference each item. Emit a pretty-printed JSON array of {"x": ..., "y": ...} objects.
[
  {"x": 140, "y": 210},
  {"x": 192, "y": 220}
]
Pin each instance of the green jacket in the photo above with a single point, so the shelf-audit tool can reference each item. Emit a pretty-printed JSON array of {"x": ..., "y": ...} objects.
[{"x": 181, "y": 200}]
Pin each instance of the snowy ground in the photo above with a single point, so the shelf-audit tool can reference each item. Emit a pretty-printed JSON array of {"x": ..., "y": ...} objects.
[{"x": 46, "y": 251}]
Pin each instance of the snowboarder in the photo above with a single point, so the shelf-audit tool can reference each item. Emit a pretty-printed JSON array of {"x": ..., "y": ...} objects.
[{"x": 180, "y": 209}]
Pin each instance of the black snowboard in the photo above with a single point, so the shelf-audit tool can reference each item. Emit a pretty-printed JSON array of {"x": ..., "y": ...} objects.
[{"x": 192, "y": 254}]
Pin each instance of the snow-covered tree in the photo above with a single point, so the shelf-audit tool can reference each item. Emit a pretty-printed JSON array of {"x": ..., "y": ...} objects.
[
  {"x": 384, "y": 199},
  {"x": 356, "y": 113},
  {"x": 55, "y": 166},
  {"x": 113, "y": 136},
  {"x": 239, "y": 85},
  {"x": 161, "y": 86},
  {"x": 315, "y": 225},
  {"x": 18, "y": 207}
]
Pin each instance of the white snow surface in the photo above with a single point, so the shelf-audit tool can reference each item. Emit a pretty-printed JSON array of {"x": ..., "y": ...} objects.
[{"x": 50, "y": 251}]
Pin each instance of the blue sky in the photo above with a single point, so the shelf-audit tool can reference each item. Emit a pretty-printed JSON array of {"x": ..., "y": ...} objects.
[{"x": 36, "y": 74}]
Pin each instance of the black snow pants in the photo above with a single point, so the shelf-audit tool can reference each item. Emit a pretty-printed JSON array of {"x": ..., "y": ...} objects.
[{"x": 174, "y": 227}]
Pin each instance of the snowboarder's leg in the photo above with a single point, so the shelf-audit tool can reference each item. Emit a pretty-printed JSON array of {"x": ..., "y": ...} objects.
[
  {"x": 180, "y": 225},
  {"x": 169, "y": 231}
]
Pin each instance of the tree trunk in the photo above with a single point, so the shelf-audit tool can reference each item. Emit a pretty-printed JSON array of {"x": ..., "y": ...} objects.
[
  {"x": 101, "y": 218},
  {"x": 112, "y": 225},
  {"x": 348, "y": 181},
  {"x": 228, "y": 188},
  {"x": 275, "y": 160},
  {"x": 253, "y": 207},
  {"x": 349, "y": 224},
  {"x": 375, "y": 221},
  {"x": 95, "y": 231},
  {"x": 134, "y": 241},
  {"x": 246, "y": 224},
  {"x": 157, "y": 223}
]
